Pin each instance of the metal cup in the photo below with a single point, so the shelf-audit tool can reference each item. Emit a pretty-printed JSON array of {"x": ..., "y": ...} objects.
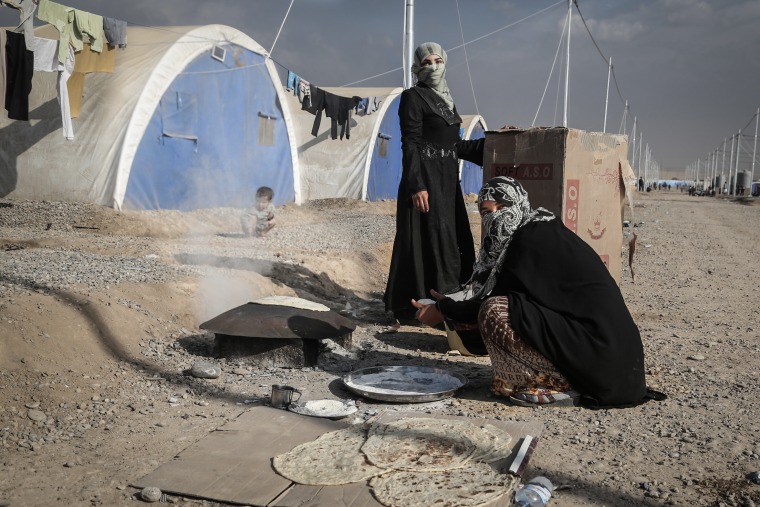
[{"x": 282, "y": 395}]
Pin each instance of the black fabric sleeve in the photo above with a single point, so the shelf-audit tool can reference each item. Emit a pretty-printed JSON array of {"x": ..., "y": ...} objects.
[
  {"x": 471, "y": 150},
  {"x": 460, "y": 311},
  {"x": 410, "y": 118}
]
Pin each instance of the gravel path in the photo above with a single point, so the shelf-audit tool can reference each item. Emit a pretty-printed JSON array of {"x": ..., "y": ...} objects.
[{"x": 78, "y": 423}]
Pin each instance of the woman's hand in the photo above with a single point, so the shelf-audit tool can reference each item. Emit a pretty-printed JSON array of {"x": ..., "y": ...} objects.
[
  {"x": 437, "y": 295},
  {"x": 420, "y": 201},
  {"x": 427, "y": 314}
]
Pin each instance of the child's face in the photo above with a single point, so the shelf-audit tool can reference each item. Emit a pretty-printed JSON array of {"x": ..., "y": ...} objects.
[{"x": 262, "y": 203}]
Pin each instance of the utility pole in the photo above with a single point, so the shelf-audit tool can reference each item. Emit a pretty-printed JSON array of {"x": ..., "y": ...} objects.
[
  {"x": 567, "y": 66},
  {"x": 607, "y": 96},
  {"x": 754, "y": 150},
  {"x": 409, "y": 39}
]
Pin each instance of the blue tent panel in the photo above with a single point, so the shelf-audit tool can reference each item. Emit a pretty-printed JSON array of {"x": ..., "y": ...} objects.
[
  {"x": 385, "y": 167},
  {"x": 218, "y": 134},
  {"x": 472, "y": 174}
]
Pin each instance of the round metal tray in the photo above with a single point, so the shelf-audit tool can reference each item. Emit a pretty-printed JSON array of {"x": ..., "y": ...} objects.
[{"x": 410, "y": 384}]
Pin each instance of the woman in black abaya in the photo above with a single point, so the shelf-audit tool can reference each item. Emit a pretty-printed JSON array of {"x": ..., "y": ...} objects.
[
  {"x": 433, "y": 247},
  {"x": 552, "y": 318}
]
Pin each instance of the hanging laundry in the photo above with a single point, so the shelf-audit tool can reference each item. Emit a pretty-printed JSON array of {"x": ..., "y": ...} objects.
[
  {"x": 372, "y": 104},
  {"x": 314, "y": 104},
  {"x": 304, "y": 91},
  {"x": 361, "y": 106},
  {"x": 338, "y": 109},
  {"x": 86, "y": 62},
  {"x": 115, "y": 31},
  {"x": 92, "y": 25},
  {"x": 367, "y": 105},
  {"x": 46, "y": 60},
  {"x": 26, "y": 10},
  {"x": 19, "y": 64},
  {"x": 294, "y": 82},
  {"x": 71, "y": 24}
]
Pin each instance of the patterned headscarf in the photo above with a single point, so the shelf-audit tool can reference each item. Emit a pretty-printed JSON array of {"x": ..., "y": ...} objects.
[
  {"x": 499, "y": 227},
  {"x": 434, "y": 76}
]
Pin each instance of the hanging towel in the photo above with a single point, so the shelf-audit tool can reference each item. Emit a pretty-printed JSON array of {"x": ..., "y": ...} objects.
[
  {"x": 62, "y": 18},
  {"x": 46, "y": 60},
  {"x": 304, "y": 91},
  {"x": 19, "y": 71},
  {"x": 92, "y": 25},
  {"x": 71, "y": 24},
  {"x": 85, "y": 62},
  {"x": 26, "y": 10},
  {"x": 115, "y": 31}
]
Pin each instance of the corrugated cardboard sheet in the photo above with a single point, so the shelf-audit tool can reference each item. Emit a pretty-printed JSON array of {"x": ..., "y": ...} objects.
[
  {"x": 233, "y": 464},
  {"x": 579, "y": 176}
]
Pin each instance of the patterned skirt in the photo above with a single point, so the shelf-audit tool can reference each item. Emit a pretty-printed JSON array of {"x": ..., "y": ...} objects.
[{"x": 516, "y": 365}]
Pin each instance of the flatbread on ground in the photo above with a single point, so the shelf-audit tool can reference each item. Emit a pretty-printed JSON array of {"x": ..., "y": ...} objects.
[
  {"x": 471, "y": 486},
  {"x": 333, "y": 458},
  {"x": 421, "y": 444},
  {"x": 293, "y": 302},
  {"x": 493, "y": 443}
]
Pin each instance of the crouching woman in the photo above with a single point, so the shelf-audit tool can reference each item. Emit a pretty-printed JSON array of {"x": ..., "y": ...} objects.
[{"x": 552, "y": 318}]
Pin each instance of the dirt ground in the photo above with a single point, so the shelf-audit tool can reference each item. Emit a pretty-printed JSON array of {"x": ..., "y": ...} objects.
[{"x": 105, "y": 365}]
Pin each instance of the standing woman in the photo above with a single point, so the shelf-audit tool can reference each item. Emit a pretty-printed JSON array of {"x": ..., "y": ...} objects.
[{"x": 433, "y": 248}]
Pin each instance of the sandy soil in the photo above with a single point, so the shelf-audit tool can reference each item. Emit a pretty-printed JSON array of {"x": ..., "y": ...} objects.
[{"x": 105, "y": 365}]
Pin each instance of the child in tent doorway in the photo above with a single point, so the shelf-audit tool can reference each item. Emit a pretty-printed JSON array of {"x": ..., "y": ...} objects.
[{"x": 259, "y": 220}]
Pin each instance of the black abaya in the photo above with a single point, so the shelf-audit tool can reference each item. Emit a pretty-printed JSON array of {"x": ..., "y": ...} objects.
[
  {"x": 433, "y": 250},
  {"x": 564, "y": 302}
]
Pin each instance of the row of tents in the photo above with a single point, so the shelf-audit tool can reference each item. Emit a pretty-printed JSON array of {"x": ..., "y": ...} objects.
[{"x": 198, "y": 117}]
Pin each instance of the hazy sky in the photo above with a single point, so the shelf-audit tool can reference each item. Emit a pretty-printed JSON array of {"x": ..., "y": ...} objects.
[{"x": 689, "y": 69}]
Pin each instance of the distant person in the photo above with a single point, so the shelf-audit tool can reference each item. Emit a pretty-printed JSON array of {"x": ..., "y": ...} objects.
[
  {"x": 641, "y": 184},
  {"x": 259, "y": 220},
  {"x": 433, "y": 247}
]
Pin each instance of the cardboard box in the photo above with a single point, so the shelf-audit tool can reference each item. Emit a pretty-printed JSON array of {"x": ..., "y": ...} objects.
[{"x": 582, "y": 177}]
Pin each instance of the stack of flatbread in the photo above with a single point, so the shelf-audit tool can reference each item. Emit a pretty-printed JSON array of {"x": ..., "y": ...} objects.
[{"x": 411, "y": 462}]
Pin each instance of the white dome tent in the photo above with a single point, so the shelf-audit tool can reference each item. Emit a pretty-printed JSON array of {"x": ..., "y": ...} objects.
[
  {"x": 173, "y": 127},
  {"x": 366, "y": 166}
]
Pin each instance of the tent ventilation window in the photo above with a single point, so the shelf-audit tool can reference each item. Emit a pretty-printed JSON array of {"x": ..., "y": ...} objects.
[
  {"x": 218, "y": 53},
  {"x": 382, "y": 144},
  {"x": 266, "y": 129}
]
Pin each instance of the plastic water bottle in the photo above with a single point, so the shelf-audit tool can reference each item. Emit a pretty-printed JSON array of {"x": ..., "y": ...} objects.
[{"x": 536, "y": 493}]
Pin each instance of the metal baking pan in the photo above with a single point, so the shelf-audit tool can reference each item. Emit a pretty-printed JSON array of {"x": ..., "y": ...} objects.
[{"x": 407, "y": 384}]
